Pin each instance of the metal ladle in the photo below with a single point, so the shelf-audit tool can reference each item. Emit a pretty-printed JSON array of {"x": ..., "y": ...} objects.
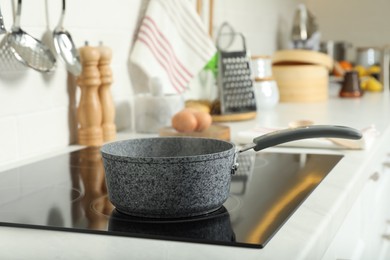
[
  {"x": 27, "y": 49},
  {"x": 65, "y": 46}
]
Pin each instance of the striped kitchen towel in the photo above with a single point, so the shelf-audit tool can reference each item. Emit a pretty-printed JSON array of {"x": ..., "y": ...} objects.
[{"x": 172, "y": 44}]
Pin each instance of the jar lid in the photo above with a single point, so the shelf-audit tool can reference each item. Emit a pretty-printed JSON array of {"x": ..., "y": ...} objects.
[
  {"x": 261, "y": 66},
  {"x": 368, "y": 48},
  {"x": 302, "y": 57},
  {"x": 264, "y": 79}
]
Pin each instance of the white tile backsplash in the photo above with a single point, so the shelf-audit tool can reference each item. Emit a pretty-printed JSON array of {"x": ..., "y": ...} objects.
[
  {"x": 9, "y": 140},
  {"x": 44, "y": 130},
  {"x": 10, "y": 188},
  {"x": 37, "y": 111}
]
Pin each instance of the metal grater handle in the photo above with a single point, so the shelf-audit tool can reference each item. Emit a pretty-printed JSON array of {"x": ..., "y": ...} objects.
[{"x": 234, "y": 35}]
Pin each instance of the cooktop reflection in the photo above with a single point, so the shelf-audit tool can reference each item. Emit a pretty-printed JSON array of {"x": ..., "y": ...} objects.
[{"x": 68, "y": 193}]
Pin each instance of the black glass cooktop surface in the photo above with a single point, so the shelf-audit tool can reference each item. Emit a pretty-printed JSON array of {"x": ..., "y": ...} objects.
[{"x": 68, "y": 193}]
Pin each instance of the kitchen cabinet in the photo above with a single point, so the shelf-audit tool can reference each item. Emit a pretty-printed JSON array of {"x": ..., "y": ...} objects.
[{"x": 364, "y": 232}]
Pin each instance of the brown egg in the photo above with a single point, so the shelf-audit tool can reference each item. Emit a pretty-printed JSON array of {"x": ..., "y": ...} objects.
[
  {"x": 204, "y": 121},
  {"x": 184, "y": 121}
]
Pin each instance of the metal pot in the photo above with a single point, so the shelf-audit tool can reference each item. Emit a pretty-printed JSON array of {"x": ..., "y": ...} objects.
[
  {"x": 368, "y": 56},
  {"x": 338, "y": 50},
  {"x": 174, "y": 177}
]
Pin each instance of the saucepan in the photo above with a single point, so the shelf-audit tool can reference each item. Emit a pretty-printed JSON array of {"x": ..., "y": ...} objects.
[{"x": 177, "y": 177}]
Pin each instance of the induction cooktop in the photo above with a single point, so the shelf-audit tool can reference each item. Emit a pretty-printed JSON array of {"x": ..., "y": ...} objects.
[{"x": 68, "y": 193}]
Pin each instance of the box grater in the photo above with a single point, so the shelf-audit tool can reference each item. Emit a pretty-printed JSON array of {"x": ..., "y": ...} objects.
[{"x": 234, "y": 81}]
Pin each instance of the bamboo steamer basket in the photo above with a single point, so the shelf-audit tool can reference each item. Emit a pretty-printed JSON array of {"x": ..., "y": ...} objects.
[{"x": 302, "y": 75}]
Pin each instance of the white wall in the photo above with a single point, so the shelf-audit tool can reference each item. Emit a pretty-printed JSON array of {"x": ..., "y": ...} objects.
[
  {"x": 265, "y": 24},
  {"x": 360, "y": 22},
  {"x": 37, "y": 111}
]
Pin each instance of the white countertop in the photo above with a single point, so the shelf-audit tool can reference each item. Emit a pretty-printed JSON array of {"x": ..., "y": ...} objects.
[{"x": 305, "y": 235}]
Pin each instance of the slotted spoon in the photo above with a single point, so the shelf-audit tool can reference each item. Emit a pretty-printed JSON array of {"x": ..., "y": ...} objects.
[{"x": 27, "y": 49}]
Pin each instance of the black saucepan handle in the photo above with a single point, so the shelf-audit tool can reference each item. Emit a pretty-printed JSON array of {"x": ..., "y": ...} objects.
[{"x": 305, "y": 132}]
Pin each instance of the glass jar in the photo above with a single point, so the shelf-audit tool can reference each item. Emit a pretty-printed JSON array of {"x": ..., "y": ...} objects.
[
  {"x": 265, "y": 87},
  {"x": 266, "y": 93}
]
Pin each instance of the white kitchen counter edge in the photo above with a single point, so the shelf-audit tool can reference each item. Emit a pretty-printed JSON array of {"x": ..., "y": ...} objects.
[{"x": 305, "y": 235}]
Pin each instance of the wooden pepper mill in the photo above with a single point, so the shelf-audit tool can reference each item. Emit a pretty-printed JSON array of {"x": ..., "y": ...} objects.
[
  {"x": 89, "y": 113},
  {"x": 106, "y": 100}
]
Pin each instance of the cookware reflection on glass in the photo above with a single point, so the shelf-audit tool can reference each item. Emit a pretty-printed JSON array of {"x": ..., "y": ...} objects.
[
  {"x": 244, "y": 172},
  {"x": 215, "y": 226}
]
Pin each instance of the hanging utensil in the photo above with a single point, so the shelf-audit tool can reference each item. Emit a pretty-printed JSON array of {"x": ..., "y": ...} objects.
[
  {"x": 2, "y": 27},
  {"x": 8, "y": 61},
  {"x": 27, "y": 49},
  {"x": 304, "y": 27},
  {"x": 65, "y": 46}
]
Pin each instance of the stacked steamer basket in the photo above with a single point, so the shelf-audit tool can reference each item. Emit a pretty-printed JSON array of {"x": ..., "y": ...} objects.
[{"x": 302, "y": 75}]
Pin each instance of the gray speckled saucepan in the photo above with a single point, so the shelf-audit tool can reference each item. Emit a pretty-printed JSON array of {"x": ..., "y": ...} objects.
[{"x": 175, "y": 177}]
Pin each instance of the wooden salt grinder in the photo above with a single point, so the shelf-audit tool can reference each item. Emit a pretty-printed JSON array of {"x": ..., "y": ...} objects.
[
  {"x": 89, "y": 113},
  {"x": 106, "y": 100}
]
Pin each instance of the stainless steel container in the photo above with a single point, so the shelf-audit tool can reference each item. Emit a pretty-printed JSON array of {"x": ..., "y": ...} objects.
[
  {"x": 368, "y": 56},
  {"x": 338, "y": 50}
]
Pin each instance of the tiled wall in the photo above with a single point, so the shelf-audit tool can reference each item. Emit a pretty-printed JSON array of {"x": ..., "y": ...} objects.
[{"x": 37, "y": 111}]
